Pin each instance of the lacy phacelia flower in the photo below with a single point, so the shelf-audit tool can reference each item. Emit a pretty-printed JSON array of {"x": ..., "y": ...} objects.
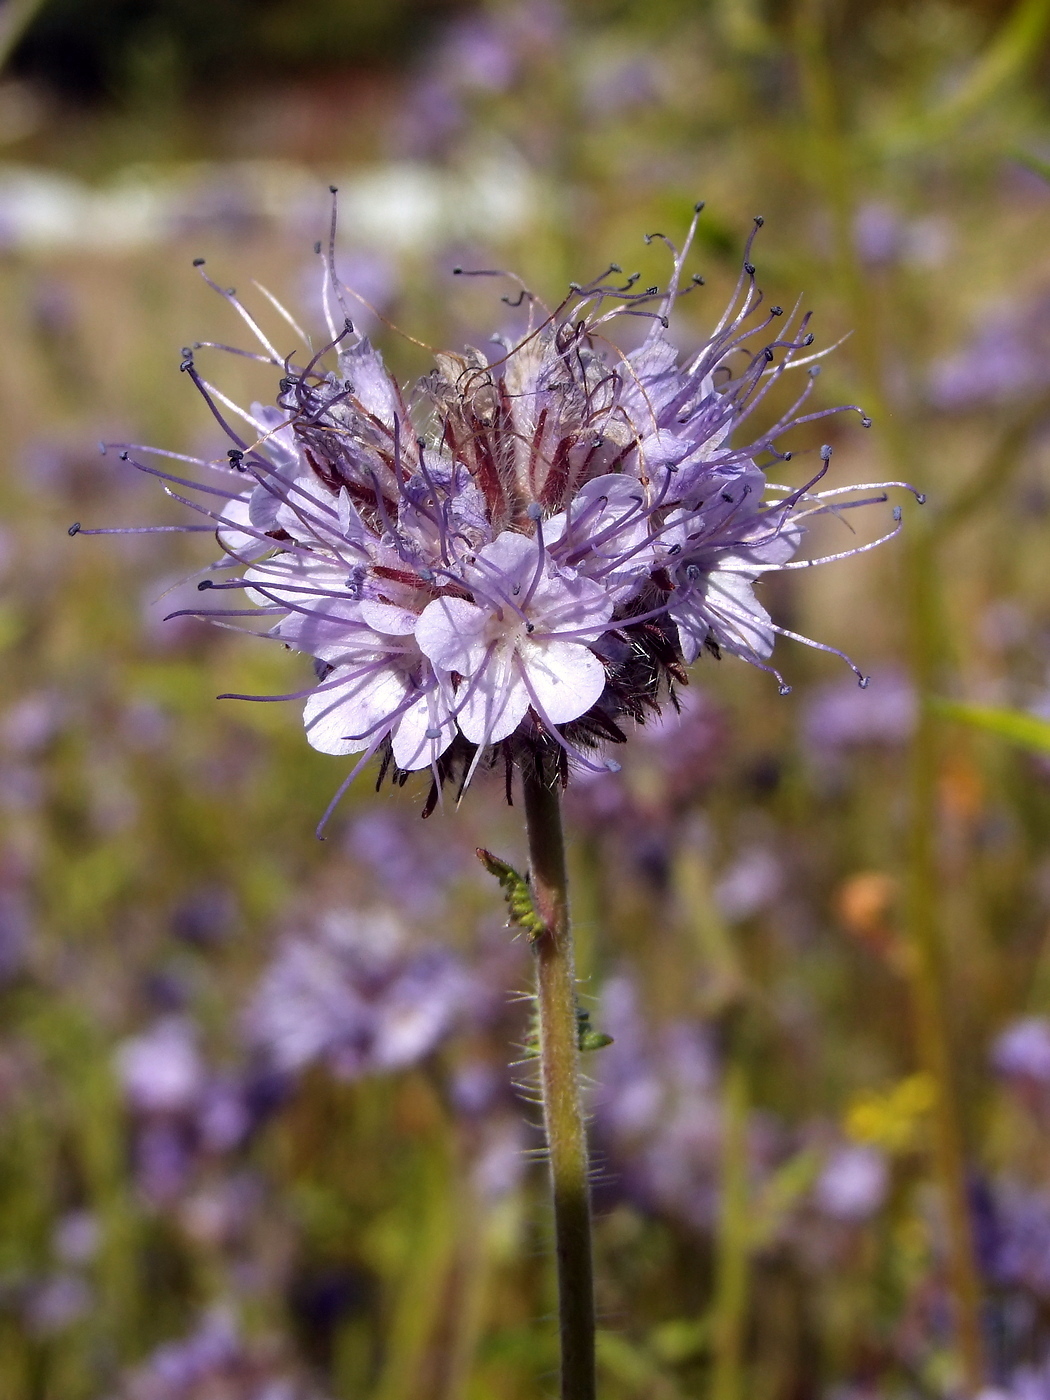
[{"x": 527, "y": 547}]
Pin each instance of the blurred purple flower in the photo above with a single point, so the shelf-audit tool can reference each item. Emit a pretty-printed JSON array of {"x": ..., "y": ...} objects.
[
  {"x": 657, "y": 1114},
  {"x": 1022, "y": 1051},
  {"x": 163, "y": 1159},
  {"x": 161, "y": 1070},
  {"x": 55, "y": 1303},
  {"x": 31, "y": 723},
  {"x": 1020, "y": 1236},
  {"x": 410, "y": 866},
  {"x": 15, "y": 934},
  {"x": 213, "y": 1363},
  {"x": 853, "y": 1183},
  {"x": 1008, "y": 358},
  {"x": 76, "y": 1237},
  {"x": 751, "y": 883},
  {"x": 355, "y": 995},
  {"x": 841, "y": 716}
]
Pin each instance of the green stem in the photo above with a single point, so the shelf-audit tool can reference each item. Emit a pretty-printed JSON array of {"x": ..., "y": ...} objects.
[
  {"x": 729, "y": 1310},
  {"x": 559, "y": 1077}
]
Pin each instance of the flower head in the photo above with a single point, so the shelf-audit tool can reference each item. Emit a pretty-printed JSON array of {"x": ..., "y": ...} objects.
[{"x": 527, "y": 546}]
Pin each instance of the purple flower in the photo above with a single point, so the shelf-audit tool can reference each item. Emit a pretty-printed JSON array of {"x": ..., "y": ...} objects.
[
  {"x": 356, "y": 997},
  {"x": 853, "y": 1183},
  {"x": 212, "y": 1361},
  {"x": 529, "y": 547},
  {"x": 161, "y": 1070},
  {"x": 840, "y": 717},
  {"x": 1008, "y": 358},
  {"x": 1022, "y": 1051}
]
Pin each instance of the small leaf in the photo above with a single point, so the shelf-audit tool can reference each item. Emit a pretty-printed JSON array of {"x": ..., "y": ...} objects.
[
  {"x": 1015, "y": 726},
  {"x": 523, "y": 912}
]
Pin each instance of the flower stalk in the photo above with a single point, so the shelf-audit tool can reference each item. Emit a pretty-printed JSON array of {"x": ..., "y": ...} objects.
[{"x": 560, "y": 1083}]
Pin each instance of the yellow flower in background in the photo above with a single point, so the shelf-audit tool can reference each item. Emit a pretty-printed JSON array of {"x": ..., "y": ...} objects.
[{"x": 892, "y": 1118}]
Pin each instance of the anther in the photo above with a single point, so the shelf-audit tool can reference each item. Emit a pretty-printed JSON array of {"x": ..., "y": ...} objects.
[
  {"x": 534, "y": 510},
  {"x": 421, "y": 443},
  {"x": 74, "y": 529},
  {"x": 317, "y": 246},
  {"x": 776, "y": 311},
  {"x": 611, "y": 766},
  {"x": 333, "y": 189},
  {"x": 235, "y": 455},
  {"x": 784, "y": 689},
  {"x": 530, "y": 627},
  {"x": 759, "y": 221},
  {"x": 204, "y": 585},
  {"x": 651, "y": 291},
  {"x": 788, "y": 456},
  {"x": 864, "y": 682},
  {"x": 865, "y": 421},
  {"x": 123, "y": 456},
  {"x": 698, "y": 206},
  {"x": 457, "y": 272},
  {"x": 615, "y": 267},
  {"x": 897, "y": 513},
  {"x": 198, "y": 262},
  {"x": 727, "y": 497},
  {"x": 825, "y": 453},
  {"x": 813, "y": 371},
  {"x": 186, "y": 364},
  {"x": 102, "y": 449},
  {"x": 921, "y": 498},
  {"x": 809, "y": 339},
  {"x": 698, "y": 281},
  {"x": 768, "y": 352},
  {"x": 432, "y": 734},
  {"x": 664, "y": 322},
  {"x": 749, "y": 268}
]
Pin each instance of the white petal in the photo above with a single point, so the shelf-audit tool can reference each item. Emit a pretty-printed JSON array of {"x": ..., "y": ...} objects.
[
  {"x": 346, "y": 719},
  {"x": 566, "y": 679},
  {"x": 450, "y": 631},
  {"x": 425, "y": 732},
  {"x": 497, "y": 703},
  {"x": 384, "y": 617}
]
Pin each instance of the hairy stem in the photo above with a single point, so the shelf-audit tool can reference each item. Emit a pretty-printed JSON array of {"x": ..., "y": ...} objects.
[{"x": 559, "y": 1076}]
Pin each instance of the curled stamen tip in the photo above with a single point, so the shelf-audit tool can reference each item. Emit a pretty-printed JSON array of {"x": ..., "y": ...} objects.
[
  {"x": 784, "y": 689},
  {"x": 534, "y": 510},
  {"x": 74, "y": 529}
]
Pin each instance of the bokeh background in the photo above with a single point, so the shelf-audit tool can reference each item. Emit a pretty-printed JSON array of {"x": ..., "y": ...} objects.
[{"x": 262, "y": 1132}]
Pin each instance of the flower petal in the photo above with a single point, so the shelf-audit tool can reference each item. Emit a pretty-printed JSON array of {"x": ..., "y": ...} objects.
[
  {"x": 565, "y": 678},
  {"x": 450, "y": 631},
  {"x": 346, "y": 718}
]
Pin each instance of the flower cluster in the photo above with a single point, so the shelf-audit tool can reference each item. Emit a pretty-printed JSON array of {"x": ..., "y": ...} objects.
[{"x": 530, "y": 545}]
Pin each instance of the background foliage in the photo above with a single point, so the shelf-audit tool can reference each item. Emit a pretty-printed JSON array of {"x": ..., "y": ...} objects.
[{"x": 258, "y": 1136}]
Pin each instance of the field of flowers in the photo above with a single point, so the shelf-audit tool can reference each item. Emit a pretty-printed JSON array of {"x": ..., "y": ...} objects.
[{"x": 268, "y": 1120}]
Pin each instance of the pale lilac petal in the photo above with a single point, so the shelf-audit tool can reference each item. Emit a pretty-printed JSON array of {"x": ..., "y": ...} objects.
[
  {"x": 450, "y": 631},
  {"x": 425, "y": 731},
  {"x": 497, "y": 703},
  {"x": 346, "y": 719},
  {"x": 566, "y": 679},
  {"x": 384, "y": 617}
]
